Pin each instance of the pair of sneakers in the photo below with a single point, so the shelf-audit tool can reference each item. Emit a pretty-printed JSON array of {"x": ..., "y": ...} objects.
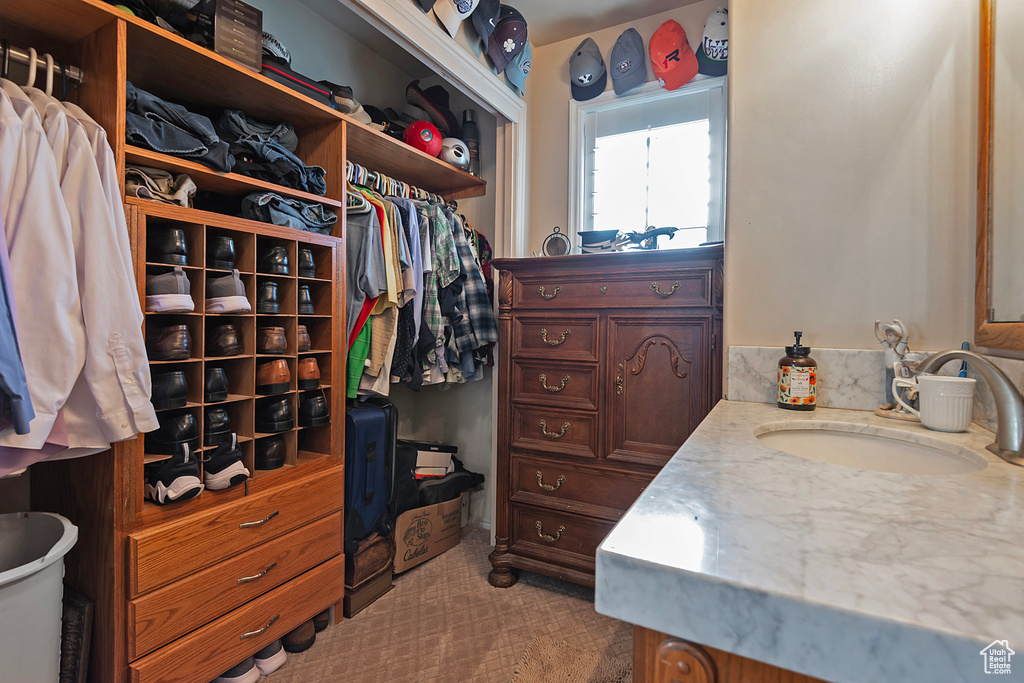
[
  {"x": 177, "y": 478},
  {"x": 263, "y": 663}
]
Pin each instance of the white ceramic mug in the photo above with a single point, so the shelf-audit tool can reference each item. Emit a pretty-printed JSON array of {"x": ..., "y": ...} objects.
[{"x": 946, "y": 402}]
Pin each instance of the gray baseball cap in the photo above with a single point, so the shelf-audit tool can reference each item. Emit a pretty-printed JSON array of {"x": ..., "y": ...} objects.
[
  {"x": 587, "y": 72},
  {"x": 628, "y": 66}
]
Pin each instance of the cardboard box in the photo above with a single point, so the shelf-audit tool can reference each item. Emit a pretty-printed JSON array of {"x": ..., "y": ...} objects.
[{"x": 426, "y": 532}]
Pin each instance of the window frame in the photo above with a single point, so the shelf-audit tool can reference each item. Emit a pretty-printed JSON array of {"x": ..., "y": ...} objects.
[{"x": 646, "y": 94}]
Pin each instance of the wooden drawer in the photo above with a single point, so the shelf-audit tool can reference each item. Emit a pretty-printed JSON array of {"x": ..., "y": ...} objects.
[
  {"x": 159, "y": 617},
  {"x": 560, "y": 537},
  {"x": 571, "y": 488},
  {"x": 555, "y": 337},
  {"x": 211, "y": 650},
  {"x": 554, "y": 384},
  {"x": 168, "y": 552},
  {"x": 554, "y": 430},
  {"x": 660, "y": 289}
]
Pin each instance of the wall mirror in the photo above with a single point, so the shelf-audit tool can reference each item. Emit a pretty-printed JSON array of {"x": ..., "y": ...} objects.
[{"x": 999, "y": 292}]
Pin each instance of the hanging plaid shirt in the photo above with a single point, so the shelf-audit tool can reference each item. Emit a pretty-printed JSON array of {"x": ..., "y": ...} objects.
[
  {"x": 484, "y": 330},
  {"x": 445, "y": 269}
]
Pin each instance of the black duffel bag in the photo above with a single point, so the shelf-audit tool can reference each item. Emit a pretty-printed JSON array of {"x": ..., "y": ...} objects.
[
  {"x": 450, "y": 486},
  {"x": 278, "y": 70}
]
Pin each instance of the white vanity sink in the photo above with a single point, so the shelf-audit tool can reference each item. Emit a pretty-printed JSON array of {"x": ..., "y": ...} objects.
[{"x": 868, "y": 447}]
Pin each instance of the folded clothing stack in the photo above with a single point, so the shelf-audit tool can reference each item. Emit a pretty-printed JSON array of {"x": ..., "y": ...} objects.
[
  {"x": 267, "y": 151},
  {"x": 159, "y": 185},
  {"x": 269, "y": 207}
]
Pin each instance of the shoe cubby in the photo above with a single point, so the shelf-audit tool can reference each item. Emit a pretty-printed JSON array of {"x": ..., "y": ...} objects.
[
  {"x": 161, "y": 325},
  {"x": 248, "y": 281},
  {"x": 290, "y": 361},
  {"x": 151, "y": 450},
  {"x": 262, "y": 401},
  {"x": 321, "y": 295},
  {"x": 286, "y": 293},
  {"x": 193, "y": 380},
  {"x": 320, "y": 332},
  {"x": 239, "y": 413},
  {"x": 245, "y": 325},
  {"x": 240, "y": 372},
  {"x": 321, "y": 263},
  {"x": 245, "y": 250},
  {"x": 266, "y": 244},
  {"x": 157, "y": 232},
  {"x": 195, "y": 284}
]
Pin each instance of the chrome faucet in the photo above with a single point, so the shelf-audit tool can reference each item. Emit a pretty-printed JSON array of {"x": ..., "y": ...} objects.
[{"x": 1009, "y": 403}]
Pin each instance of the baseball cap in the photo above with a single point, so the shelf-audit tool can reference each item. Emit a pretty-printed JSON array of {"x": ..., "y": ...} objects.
[
  {"x": 587, "y": 72},
  {"x": 628, "y": 67},
  {"x": 508, "y": 38},
  {"x": 519, "y": 68},
  {"x": 485, "y": 18},
  {"x": 713, "y": 53},
  {"x": 672, "y": 57},
  {"x": 451, "y": 13}
]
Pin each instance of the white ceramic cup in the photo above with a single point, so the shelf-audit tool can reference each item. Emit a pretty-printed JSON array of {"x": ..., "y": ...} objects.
[{"x": 946, "y": 402}]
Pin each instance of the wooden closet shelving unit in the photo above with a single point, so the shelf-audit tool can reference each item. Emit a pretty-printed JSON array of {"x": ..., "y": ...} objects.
[{"x": 165, "y": 579}]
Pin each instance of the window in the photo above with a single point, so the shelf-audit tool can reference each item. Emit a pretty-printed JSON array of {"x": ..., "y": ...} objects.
[{"x": 652, "y": 158}]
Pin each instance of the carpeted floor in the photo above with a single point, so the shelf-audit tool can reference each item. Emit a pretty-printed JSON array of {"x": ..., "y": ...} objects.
[{"x": 443, "y": 623}]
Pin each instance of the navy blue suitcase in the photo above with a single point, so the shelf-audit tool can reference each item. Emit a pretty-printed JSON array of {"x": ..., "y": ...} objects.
[{"x": 366, "y": 456}]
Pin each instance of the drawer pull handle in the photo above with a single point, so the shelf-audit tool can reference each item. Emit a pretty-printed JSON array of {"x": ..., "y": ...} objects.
[
  {"x": 252, "y": 634},
  {"x": 553, "y": 390},
  {"x": 550, "y": 539},
  {"x": 618, "y": 381},
  {"x": 549, "y": 487},
  {"x": 552, "y": 295},
  {"x": 553, "y": 435},
  {"x": 247, "y": 579},
  {"x": 604, "y": 289},
  {"x": 554, "y": 342},
  {"x": 259, "y": 522},
  {"x": 664, "y": 295}
]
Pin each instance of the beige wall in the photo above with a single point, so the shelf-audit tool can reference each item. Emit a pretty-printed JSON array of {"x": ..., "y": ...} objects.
[
  {"x": 548, "y": 96},
  {"x": 851, "y": 171}
]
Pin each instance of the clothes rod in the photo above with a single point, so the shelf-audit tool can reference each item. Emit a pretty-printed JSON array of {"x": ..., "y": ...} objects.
[{"x": 22, "y": 57}]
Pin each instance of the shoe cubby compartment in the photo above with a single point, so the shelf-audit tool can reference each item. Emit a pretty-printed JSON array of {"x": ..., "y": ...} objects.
[
  {"x": 248, "y": 281},
  {"x": 319, "y": 332},
  {"x": 195, "y": 284},
  {"x": 263, "y": 400},
  {"x": 314, "y": 442},
  {"x": 245, "y": 250},
  {"x": 264, "y": 244},
  {"x": 241, "y": 376},
  {"x": 290, "y": 334},
  {"x": 246, "y": 326},
  {"x": 323, "y": 364},
  {"x": 290, "y": 361},
  {"x": 158, "y": 322},
  {"x": 156, "y": 230},
  {"x": 193, "y": 378},
  {"x": 321, "y": 294},
  {"x": 164, "y": 415},
  {"x": 321, "y": 262},
  {"x": 290, "y": 449},
  {"x": 286, "y": 293},
  {"x": 240, "y": 415}
]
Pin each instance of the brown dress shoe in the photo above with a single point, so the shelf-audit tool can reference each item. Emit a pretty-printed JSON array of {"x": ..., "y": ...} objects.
[
  {"x": 301, "y": 639},
  {"x": 224, "y": 340},
  {"x": 309, "y": 373},
  {"x": 271, "y": 340},
  {"x": 303, "y": 339},
  {"x": 169, "y": 343},
  {"x": 273, "y": 377}
]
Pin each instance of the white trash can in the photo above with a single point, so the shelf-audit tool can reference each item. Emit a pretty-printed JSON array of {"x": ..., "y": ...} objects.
[{"x": 32, "y": 549}]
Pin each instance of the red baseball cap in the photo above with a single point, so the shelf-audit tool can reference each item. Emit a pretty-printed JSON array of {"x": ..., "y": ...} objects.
[{"x": 671, "y": 56}]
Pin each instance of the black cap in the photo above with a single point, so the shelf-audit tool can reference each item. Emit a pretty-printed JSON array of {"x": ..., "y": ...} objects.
[{"x": 796, "y": 349}]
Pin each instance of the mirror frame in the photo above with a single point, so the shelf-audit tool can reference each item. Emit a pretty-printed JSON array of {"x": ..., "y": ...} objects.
[{"x": 987, "y": 334}]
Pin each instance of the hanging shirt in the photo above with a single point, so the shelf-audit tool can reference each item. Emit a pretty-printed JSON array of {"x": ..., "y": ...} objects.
[
  {"x": 15, "y": 403},
  {"x": 364, "y": 261},
  {"x": 444, "y": 271},
  {"x": 392, "y": 268}
]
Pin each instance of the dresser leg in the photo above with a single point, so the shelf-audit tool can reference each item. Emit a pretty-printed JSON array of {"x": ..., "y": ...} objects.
[{"x": 502, "y": 575}]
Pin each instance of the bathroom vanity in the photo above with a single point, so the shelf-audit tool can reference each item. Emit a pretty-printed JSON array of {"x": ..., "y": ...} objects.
[{"x": 744, "y": 562}]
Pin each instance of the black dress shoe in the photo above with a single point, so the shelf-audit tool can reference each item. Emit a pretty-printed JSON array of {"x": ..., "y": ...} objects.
[
  {"x": 274, "y": 416},
  {"x": 266, "y": 298},
  {"x": 270, "y": 453},
  {"x": 218, "y": 427},
  {"x": 223, "y": 340},
  {"x": 313, "y": 411},
  {"x": 273, "y": 260},
  {"x": 170, "y": 390},
  {"x": 173, "y": 433},
  {"x": 215, "y": 388},
  {"x": 305, "y": 301},
  {"x": 307, "y": 268},
  {"x": 167, "y": 246},
  {"x": 220, "y": 253}
]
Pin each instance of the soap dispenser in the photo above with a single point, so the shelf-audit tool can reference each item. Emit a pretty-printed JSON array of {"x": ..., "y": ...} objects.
[{"x": 798, "y": 378}]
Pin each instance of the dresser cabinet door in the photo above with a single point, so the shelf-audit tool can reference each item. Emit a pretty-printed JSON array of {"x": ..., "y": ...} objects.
[{"x": 659, "y": 372}]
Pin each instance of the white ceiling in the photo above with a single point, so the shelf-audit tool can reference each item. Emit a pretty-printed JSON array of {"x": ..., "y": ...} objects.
[{"x": 549, "y": 21}]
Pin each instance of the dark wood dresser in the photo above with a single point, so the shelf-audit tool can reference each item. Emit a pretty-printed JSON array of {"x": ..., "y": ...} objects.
[{"x": 607, "y": 363}]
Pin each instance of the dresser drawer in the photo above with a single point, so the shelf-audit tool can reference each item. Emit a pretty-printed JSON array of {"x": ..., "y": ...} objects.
[
  {"x": 554, "y": 430},
  {"x": 553, "y": 337},
  {"x": 554, "y": 384},
  {"x": 561, "y": 537},
  {"x": 211, "y": 650},
  {"x": 660, "y": 289},
  {"x": 160, "y": 616},
  {"x": 167, "y": 552},
  {"x": 566, "y": 487}
]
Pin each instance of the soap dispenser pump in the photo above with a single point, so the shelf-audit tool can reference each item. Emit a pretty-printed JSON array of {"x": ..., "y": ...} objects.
[{"x": 798, "y": 378}]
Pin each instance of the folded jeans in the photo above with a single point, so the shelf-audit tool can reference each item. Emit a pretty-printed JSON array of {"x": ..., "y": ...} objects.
[{"x": 269, "y": 207}]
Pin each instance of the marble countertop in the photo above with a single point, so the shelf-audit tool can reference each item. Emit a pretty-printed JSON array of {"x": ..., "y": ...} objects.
[{"x": 840, "y": 573}]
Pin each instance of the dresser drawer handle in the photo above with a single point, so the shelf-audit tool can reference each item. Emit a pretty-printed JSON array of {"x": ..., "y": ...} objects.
[
  {"x": 549, "y": 487},
  {"x": 554, "y": 342},
  {"x": 259, "y": 522},
  {"x": 663, "y": 295},
  {"x": 252, "y": 634},
  {"x": 553, "y": 390},
  {"x": 552, "y": 295},
  {"x": 550, "y": 539},
  {"x": 618, "y": 381},
  {"x": 553, "y": 435},
  {"x": 247, "y": 579}
]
